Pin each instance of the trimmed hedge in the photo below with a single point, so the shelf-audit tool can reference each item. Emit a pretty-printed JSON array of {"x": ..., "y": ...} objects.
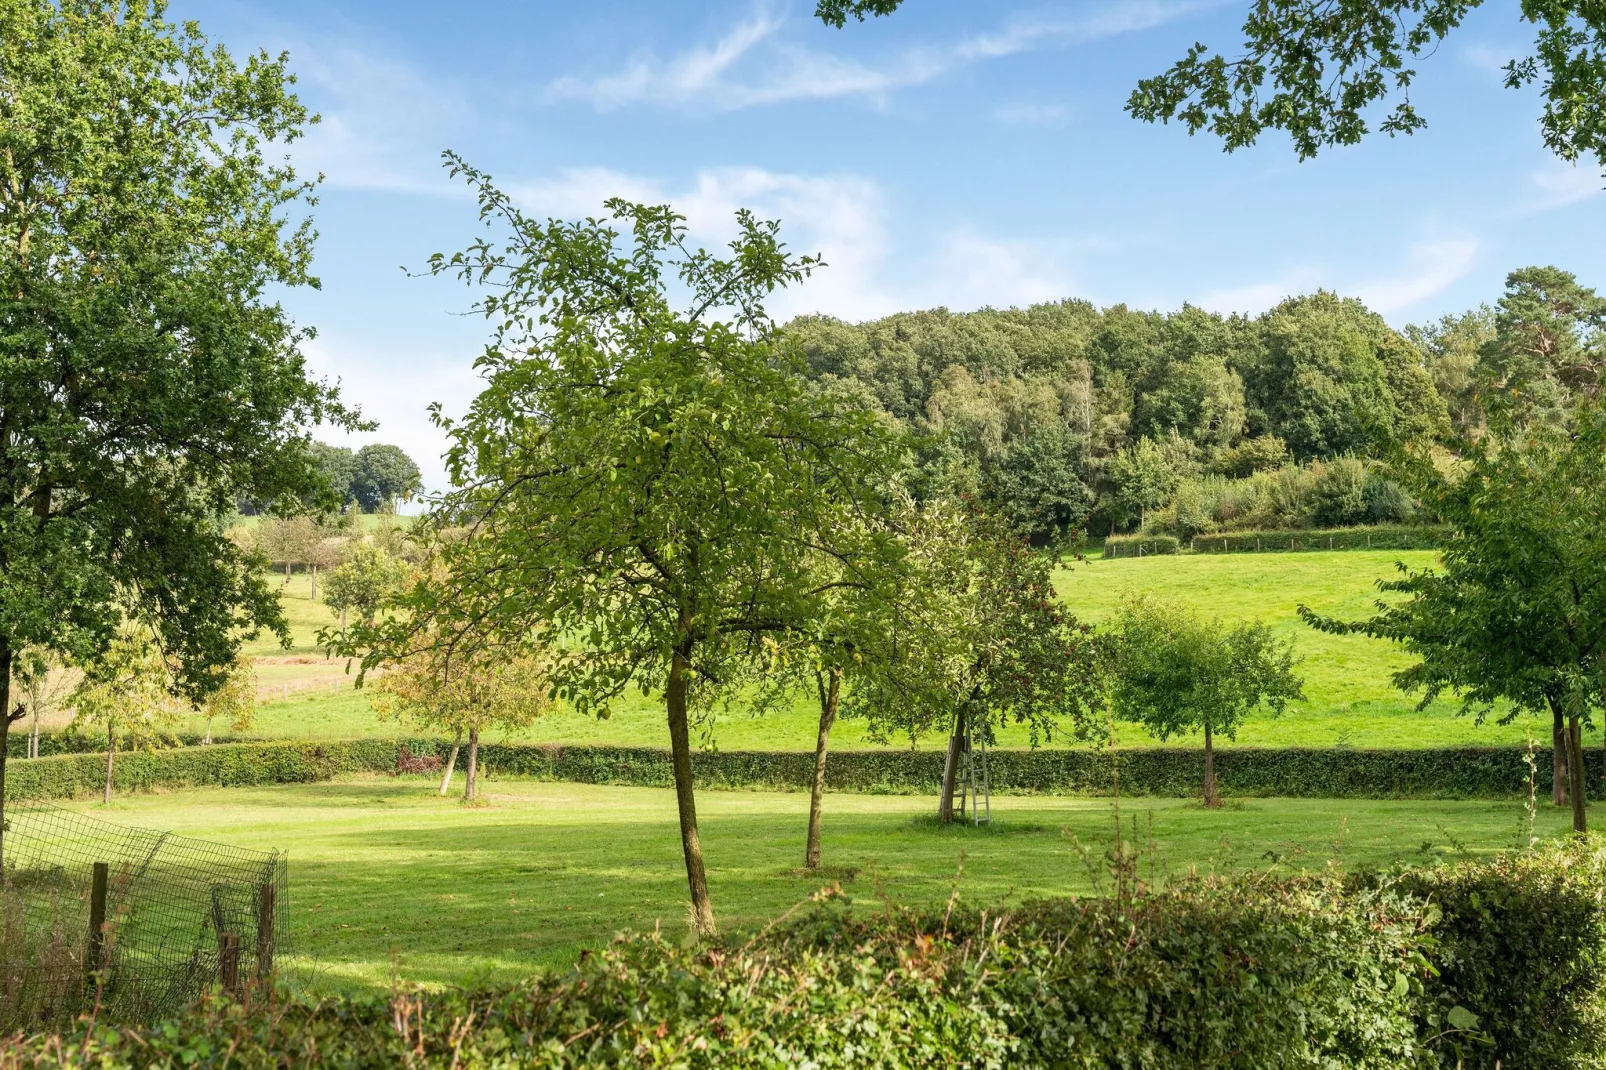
[
  {"x": 1387, "y": 537},
  {"x": 1459, "y": 772},
  {"x": 1141, "y": 545},
  {"x": 1251, "y": 972}
]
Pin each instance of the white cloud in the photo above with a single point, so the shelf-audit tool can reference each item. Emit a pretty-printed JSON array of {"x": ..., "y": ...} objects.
[
  {"x": 780, "y": 70},
  {"x": 1430, "y": 269},
  {"x": 1029, "y": 113},
  {"x": 391, "y": 386},
  {"x": 1255, "y": 298},
  {"x": 843, "y": 218},
  {"x": 384, "y": 123},
  {"x": 1560, "y": 184}
]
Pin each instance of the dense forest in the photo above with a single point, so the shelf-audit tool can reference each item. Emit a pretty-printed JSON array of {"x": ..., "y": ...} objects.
[{"x": 1069, "y": 417}]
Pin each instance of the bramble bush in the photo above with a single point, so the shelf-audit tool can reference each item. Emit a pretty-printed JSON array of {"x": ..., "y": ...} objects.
[{"x": 1309, "y": 971}]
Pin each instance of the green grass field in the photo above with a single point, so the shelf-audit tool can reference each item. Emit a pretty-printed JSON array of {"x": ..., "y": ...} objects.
[
  {"x": 385, "y": 874},
  {"x": 1349, "y": 699}
]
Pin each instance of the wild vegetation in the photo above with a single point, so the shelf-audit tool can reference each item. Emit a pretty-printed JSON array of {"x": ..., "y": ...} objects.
[{"x": 662, "y": 500}]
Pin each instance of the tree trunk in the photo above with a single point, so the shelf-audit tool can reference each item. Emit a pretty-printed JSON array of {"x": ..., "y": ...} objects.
[
  {"x": 470, "y": 774},
  {"x": 342, "y": 623},
  {"x": 314, "y": 583},
  {"x": 5, "y": 732},
  {"x": 451, "y": 763},
  {"x": 111, "y": 756},
  {"x": 1558, "y": 756},
  {"x": 830, "y": 695},
  {"x": 287, "y": 573},
  {"x": 950, "y": 769},
  {"x": 1575, "y": 761},
  {"x": 1212, "y": 798},
  {"x": 702, "y": 908},
  {"x": 207, "y": 739}
]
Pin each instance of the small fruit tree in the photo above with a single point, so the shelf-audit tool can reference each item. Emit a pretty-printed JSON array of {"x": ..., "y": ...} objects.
[
  {"x": 648, "y": 484},
  {"x": 1176, "y": 672}
]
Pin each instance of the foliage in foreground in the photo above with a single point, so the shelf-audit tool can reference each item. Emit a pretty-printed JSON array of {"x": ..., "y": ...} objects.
[{"x": 1308, "y": 971}]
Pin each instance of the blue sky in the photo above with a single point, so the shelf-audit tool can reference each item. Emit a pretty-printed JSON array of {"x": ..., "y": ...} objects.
[{"x": 959, "y": 154}]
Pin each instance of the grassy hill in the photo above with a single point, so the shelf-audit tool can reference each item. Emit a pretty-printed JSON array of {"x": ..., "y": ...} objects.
[{"x": 1349, "y": 698}]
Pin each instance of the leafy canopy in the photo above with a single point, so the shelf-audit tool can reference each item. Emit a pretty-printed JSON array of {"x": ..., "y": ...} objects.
[
  {"x": 1314, "y": 68},
  {"x": 147, "y": 378},
  {"x": 1516, "y": 612},
  {"x": 1175, "y": 672},
  {"x": 646, "y": 482}
]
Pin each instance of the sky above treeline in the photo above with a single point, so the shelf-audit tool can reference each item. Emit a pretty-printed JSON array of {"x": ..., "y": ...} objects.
[{"x": 960, "y": 154}]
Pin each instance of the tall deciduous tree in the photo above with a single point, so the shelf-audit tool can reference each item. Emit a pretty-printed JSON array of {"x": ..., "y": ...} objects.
[
  {"x": 1174, "y": 672},
  {"x": 649, "y": 487},
  {"x": 1517, "y": 611},
  {"x": 383, "y": 475},
  {"x": 147, "y": 380}
]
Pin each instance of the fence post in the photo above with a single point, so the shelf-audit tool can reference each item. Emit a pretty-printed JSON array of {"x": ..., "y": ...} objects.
[
  {"x": 97, "y": 917},
  {"x": 265, "y": 905},
  {"x": 228, "y": 962}
]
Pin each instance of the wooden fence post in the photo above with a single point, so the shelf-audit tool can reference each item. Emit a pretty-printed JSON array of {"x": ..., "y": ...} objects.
[
  {"x": 228, "y": 962},
  {"x": 265, "y": 904},
  {"x": 97, "y": 917}
]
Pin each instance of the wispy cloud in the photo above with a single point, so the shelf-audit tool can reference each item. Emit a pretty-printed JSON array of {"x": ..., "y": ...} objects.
[
  {"x": 1428, "y": 269},
  {"x": 1030, "y": 113},
  {"x": 384, "y": 122},
  {"x": 1560, "y": 184},
  {"x": 756, "y": 63},
  {"x": 843, "y": 218}
]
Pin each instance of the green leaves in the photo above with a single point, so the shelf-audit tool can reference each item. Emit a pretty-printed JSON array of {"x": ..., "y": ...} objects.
[
  {"x": 145, "y": 381},
  {"x": 1174, "y": 672}
]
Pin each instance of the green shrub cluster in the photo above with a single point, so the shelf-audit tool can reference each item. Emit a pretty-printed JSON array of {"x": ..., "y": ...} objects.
[
  {"x": 1337, "y": 772},
  {"x": 1521, "y": 940},
  {"x": 1340, "y": 492},
  {"x": 1389, "y": 537},
  {"x": 1310, "y": 971},
  {"x": 1141, "y": 545}
]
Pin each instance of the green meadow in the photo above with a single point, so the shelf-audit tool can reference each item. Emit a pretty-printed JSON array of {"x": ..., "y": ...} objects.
[
  {"x": 388, "y": 879},
  {"x": 1349, "y": 699}
]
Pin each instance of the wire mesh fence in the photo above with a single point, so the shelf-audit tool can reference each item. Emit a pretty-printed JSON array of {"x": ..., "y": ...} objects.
[{"x": 133, "y": 921}]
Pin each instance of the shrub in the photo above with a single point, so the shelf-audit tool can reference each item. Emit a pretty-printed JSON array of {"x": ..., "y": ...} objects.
[
  {"x": 1338, "y": 494},
  {"x": 1521, "y": 943},
  {"x": 1387, "y": 502},
  {"x": 1140, "y": 545},
  {"x": 1246, "y": 973},
  {"x": 1337, "y": 773}
]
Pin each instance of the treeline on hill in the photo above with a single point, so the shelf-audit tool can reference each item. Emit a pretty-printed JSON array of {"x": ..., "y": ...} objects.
[{"x": 1065, "y": 416}]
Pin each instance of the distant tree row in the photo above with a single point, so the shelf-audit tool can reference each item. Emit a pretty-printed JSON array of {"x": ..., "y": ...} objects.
[
  {"x": 1067, "y": 416},
  {"x": 373, "y": 478}
]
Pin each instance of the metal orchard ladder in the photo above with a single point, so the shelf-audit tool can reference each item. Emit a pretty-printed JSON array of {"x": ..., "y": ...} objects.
[{"x": 973, "y": 782}]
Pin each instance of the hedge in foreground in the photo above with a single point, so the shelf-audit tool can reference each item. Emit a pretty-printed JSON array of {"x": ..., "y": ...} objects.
[
  {"x": 1395, "y": 971},
  {"x": 1338, "y": 772}
]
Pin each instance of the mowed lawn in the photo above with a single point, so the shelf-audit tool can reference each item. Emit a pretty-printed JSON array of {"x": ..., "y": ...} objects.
[
  {"x": 1349, "y": 697},
  {"x": 385, "y": 875}
]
